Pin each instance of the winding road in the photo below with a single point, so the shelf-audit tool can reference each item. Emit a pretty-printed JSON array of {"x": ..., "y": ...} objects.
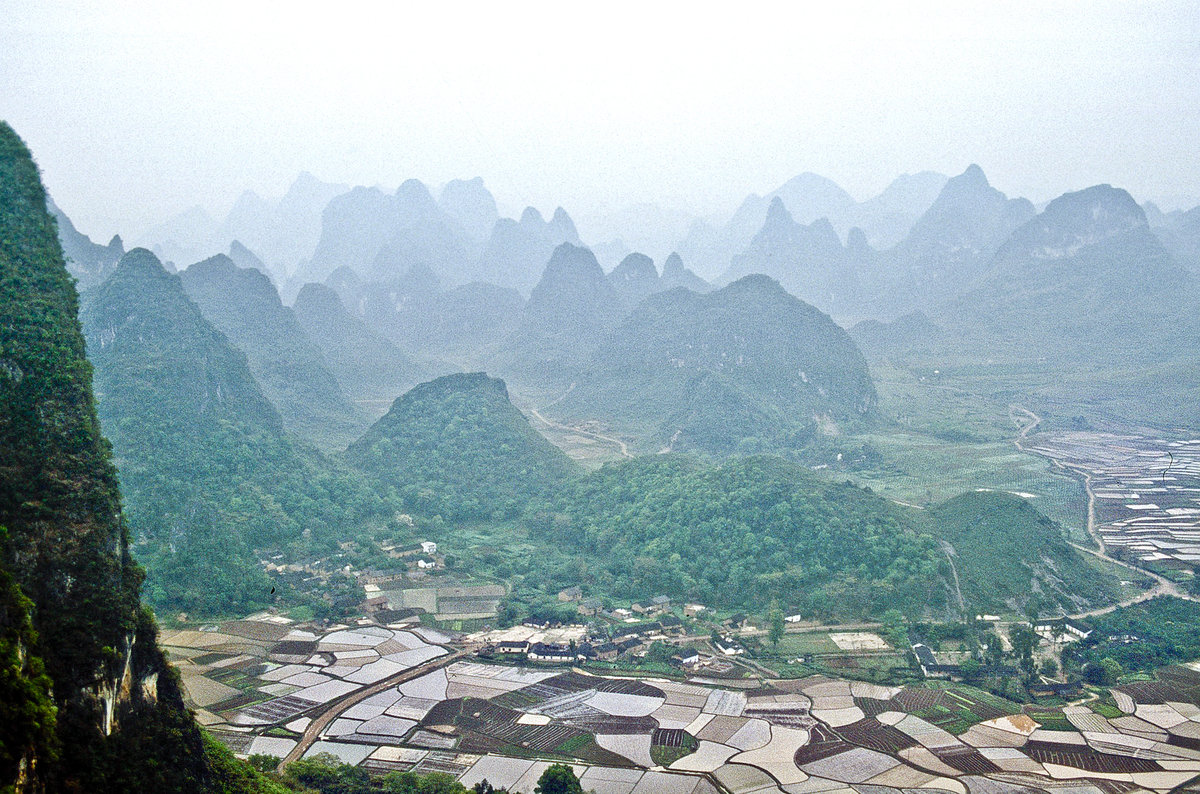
[{"x": 536, "y": 414}]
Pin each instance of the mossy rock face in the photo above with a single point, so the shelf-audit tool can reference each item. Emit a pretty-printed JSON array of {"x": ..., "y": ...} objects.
[{"x": 66, "y": 548}]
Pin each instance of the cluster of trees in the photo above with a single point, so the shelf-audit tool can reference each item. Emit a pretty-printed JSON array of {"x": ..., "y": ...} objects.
[
  {"x": 748, "y": 531},
  {"x": 325, "y": 774},
  {"x": 1140, "y": 637}
]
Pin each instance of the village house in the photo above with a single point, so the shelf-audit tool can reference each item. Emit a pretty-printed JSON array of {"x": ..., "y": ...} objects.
[
  {"x": 655, "y": 606},
  {"x": 428, "y": 547},
  {"x": 590, "y": 607},
  {"x": 606, "y": 651},
  {"x": 569, "y": 594},
  {"x": 728, "y": 647},
  {"x": 555, "y": 653},
  {"x": 382, "y": 576},
  {"x": 403, "y": 615},
  {"x": 687, "y": 657},
  {"x": 628, "y": 644},
  {"x": 692, "y": 610},
  {"x": 671, "y": 624},
  {"x": 1045, "y": 689},
  {"x": 1066, "y": 629},
  {"x": 407, "y": 550},
  {"x": 513, "y": 647},
  {"x": 636, "y": 630},
  {"x": 930, "y": 667}
]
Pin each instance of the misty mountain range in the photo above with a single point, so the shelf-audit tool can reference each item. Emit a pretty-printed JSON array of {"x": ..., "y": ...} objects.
[{"x": 401, "y": 287}]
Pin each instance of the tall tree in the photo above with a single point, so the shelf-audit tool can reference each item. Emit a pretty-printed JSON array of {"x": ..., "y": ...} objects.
[{"x": 558, "y": 779}]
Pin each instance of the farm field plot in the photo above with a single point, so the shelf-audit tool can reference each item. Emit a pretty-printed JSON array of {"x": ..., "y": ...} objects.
[
  {"x": 859, "y": 641},
  {"x": 1146, "y": 490},
  {"x": 806, "y": 643},
  {"x": 628, "y": 735}
]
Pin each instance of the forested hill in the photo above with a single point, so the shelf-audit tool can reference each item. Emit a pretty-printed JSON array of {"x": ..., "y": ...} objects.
[
  {"x": 743, "y": 533},
  {"x": 747, "y": 366},
  {"x": 243, "y": 304},
  {"x": 206, "y": 467},
  {"x": 65, "y": 569},
  {"x": 458, "y": 447},
  {"x": 1010, "y": 557}
]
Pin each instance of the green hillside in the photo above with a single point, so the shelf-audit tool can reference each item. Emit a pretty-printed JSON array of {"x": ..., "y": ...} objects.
[
  {"x": 745, "y": 367},
  {"x": 207, "y": 470},
  {"x": 1005, "y": 553},
  {"x": 243, "y": 305},
  {"x": 458, "y": 447},
  {"x": 107, "y": 714},
  {"x": 743, "y": 533}
]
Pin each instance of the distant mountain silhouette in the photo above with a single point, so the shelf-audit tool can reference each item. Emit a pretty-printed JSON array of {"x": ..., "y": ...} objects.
[
  {"x": 90, "y": 263},
  {"x": 675, "y": 274},
  {"x": 1085, "y": 280},
  {"x": 1180, "y": 234},
  {"x": 470, "y": 204},
  {"x": 568, "y": 312},
  {"x": 244, "y": 305},
  {"x": 950, "y": 245},
  {"x": 745, "y": 364},
  {"x": 369, "y": 368},
  {"x": 517, "y": 251},
  {"x": 809, "y": 261},
  {"x": 634, "y": 279}
]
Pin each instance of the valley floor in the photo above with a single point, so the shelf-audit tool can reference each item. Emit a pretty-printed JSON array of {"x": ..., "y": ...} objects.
[{"x": 406, "y": 697}]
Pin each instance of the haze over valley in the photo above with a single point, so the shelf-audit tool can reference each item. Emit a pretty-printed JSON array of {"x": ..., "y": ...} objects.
[{"x": 805, "y": 405}]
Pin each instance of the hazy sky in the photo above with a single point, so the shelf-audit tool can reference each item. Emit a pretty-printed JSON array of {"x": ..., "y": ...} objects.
[{"x": 137, "y": 110}]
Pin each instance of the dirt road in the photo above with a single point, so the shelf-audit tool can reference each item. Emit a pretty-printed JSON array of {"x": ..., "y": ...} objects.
[
  {"x": 332, "y": 710},
  {"x": 624, "y": 449}
]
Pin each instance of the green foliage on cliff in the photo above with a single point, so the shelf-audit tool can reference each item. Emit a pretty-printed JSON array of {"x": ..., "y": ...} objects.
[
  {"x": 208, "y": 472},
  {"x": 68, "y": 586},
  {"x": 27, "y": 711}
]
